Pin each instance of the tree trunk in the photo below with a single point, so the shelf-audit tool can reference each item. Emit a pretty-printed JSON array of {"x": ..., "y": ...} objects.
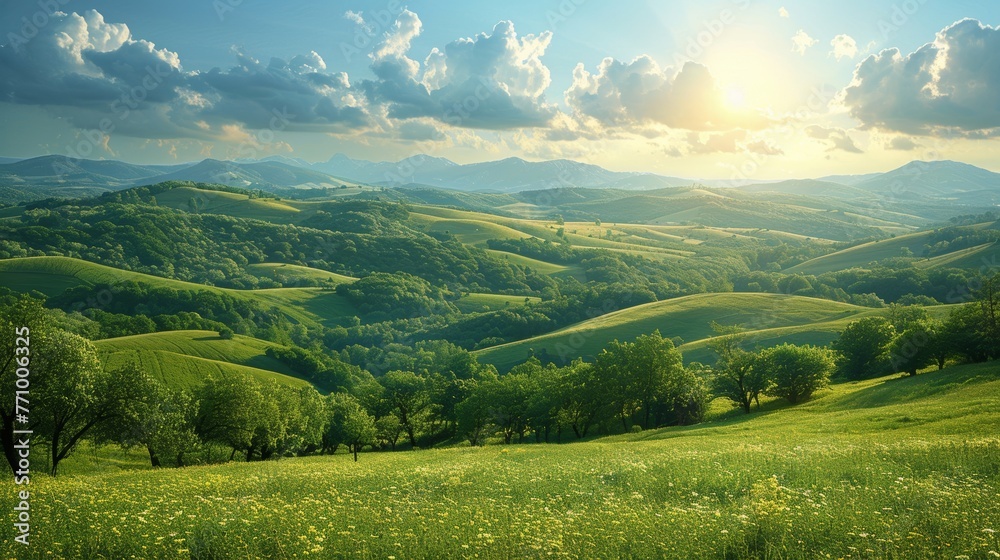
[
  {"x": 7, "y": 436},
  {"x": 180, "y": 459},
  {"x": 154, "y": 461},
  {"x": 55, "y": 451},
  {"x": 233, "y": 454},
  {"x": 355, "y": 453}
]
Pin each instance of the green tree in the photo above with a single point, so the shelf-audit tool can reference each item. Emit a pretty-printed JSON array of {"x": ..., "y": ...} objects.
[
  {"x": 914, "y": 348},
  {"x": 797, "y": 371},
  {"x": 348, "y": 424},
  {"x": 738, "y": 375},
  {"x": 408, "y": 396},
  {"x": 863, "y": 347},
  {"x": 16, "y": 314},
  {"x": 74, "y": 396},
  {"x": 163, "y": 424},
  {"x": 230, "y": 409}
]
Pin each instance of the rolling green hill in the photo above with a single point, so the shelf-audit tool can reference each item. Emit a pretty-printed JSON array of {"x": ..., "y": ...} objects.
[
  {"x": 291, "y": 273},
  {"x": 905, "y": 466},
  {"x": 182, "y": 359},
  {"x": 977, "y": 257},
  {"x": 861, "y": 255},
  {"x": 191, "y": 199},
  {"x": 686, "y": 317},
  {"x": 53, "y": 275}
]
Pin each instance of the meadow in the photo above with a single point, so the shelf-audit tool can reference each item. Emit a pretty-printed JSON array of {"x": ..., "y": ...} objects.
[{"x": 885, "y": 468}]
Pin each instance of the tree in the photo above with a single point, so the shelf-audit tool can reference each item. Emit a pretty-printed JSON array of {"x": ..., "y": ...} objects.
[
  {"x": 738, "y": 375},
  {"x": 862, "y": 347},
  {"x": 581, "y": 396},
  {"x": 914, "y": 348},
  {"x": 73, "y": 395},
  {"x": 348, "y": 424},
  {"x": 408, "y": 396},
  {"x": 164, "y": 425},
  {"x": 797, "y": 371},
  {"x": 902, "y": 316},
  {"x": 16, "y": 314},
  {"x": 230, "y": 409},
  {"x": 388, "y": 429},
  {"x": 657, "y": 371}
]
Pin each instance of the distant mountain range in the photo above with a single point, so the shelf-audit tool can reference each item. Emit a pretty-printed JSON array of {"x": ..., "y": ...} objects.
[{"x": 961, "y": 183}]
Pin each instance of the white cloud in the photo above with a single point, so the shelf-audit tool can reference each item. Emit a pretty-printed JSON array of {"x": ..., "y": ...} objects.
[
  {"x": 837, "y": 138},
  {"x": 802, "y": 41},
  {"x": 844, "y": 46},
  {"x": 783, "y": 12},
  {"x": 493, "y": 81},
  {"x": 950, "y": 84},
  {"x": 641, "y": 93}
]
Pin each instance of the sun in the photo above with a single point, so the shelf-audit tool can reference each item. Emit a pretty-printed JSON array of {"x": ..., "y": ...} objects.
[{"x": 735, "y": 98}]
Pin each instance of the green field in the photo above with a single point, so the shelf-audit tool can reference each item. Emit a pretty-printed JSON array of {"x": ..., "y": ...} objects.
[
  {"x": 862, "y": 255},
  {"x": 686, "y": 317},
  {"x": 980, "y": 257},
  {"x": 471, "y": 303},
  {"x": 292, "y": 273},
  {"x": 888, "y": 468},
  {"x": 53, "y": 275},
  {"x": 183, "y": 359},
  {"x": 205, "y": 201}
]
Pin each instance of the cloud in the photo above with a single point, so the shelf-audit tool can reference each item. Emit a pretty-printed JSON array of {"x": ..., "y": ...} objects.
[
  {"x": 947, "y": 85},
  {"x": 844, "y": 46},
  {"x": 492, "y": 81},
  {"x": 97, "y": 75},
  {"x": 801, "y": 41},
  {"x": 763, "y": 147},
  {"x": 837, "y": 138},
  {"x": 726, "y": 142},
  {"x": 901, "y": 143},
  {"x": 298, "y": 93},
  {"x": 783, "y": 12},
  {"x": 641, "y": 93}
]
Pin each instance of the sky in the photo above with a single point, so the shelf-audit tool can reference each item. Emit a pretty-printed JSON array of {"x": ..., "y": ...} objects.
[{"x": 725, "y": 89}]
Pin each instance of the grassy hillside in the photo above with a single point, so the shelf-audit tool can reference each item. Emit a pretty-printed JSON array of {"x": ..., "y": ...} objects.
[
  {"x": 471, "y": 303},
  {"x": 977, "y": 257},
  {"x": 862, "y": 255},
  {"x": 182, "y": 359},
  {"x": 686, "y": 317},
  {"x": 289, "y": 274},
  {"x": 888, "y": 468},
  {"x": 53, "y": 275},
  {"x": 191, "y": 199}
]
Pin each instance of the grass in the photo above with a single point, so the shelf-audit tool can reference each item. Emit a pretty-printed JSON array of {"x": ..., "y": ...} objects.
[
  {"x": 862, "y": 255},
  {"x": 686, "y": 317},
  {"x": 471, "y": 303},
  {"x": 231, "y": 204},
  {"x": 475, "y": 232},
  {"x": 183, "y": 359},
  {"x": 53, "y": 275},
  {"x": 289, "y": 274},
  {"x": 889, "y": 468}
]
